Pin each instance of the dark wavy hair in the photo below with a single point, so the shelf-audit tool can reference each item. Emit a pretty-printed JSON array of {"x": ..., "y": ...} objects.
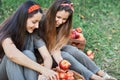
[{"x": 15, "y": 26}]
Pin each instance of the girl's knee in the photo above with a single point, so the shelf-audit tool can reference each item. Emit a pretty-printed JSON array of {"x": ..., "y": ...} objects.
[
  {"x": 66, "y": 55},
  {"x": 69, "y": 47},
  {"x": 30, "y": 54}
]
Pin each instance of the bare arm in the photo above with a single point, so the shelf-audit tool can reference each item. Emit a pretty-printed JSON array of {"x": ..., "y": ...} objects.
[
  {"x": 18, "y": 57},
  {"x": 57, "y": 55},
  {"x": 46, "y": 57}
]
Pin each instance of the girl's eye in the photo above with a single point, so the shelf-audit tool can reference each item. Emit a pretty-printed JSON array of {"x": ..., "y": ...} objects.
[
  {"x": 58, "y": 17},
  {"x": 34, "y": 22},
  {"x": 64, "y": 19}
]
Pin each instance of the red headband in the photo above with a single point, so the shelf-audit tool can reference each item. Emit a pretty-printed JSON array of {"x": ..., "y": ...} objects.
[
  {"x": 70, "y": 5},
  {"x": 33, "y": 8}
]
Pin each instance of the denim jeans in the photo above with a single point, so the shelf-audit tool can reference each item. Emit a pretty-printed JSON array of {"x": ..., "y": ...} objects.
[
  {"x": 12, "y": 71},
  {"x": 80, "y": 62}
]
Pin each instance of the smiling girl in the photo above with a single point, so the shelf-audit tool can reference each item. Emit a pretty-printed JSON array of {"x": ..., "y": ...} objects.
[{"x": 18, "y": 39}]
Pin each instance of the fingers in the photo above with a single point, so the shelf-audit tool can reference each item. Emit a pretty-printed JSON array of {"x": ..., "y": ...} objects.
[
  {"x": 42, "y": 77},
  {"x": 54, "y": 77},
  {"x": 60, "y": 70},
  {"x": 57, "y": 76},
  {"x": 51, "y": 75}
]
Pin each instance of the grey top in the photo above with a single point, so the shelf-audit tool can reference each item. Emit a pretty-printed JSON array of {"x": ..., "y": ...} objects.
[{"x": 32, "y": 42}]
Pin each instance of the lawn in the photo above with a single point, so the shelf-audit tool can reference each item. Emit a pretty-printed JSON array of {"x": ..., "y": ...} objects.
[{"x": 100, "y": 21}]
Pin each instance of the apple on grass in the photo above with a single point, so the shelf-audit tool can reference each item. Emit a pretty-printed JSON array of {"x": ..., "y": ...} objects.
[
  {"x": 64, "y": 64},
  {"x": 90, "y": 54}
]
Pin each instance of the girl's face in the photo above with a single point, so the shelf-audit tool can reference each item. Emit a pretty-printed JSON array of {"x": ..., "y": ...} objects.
[
  {"x": 61, "y": 17},
  {"x": 33, "y": 22}
]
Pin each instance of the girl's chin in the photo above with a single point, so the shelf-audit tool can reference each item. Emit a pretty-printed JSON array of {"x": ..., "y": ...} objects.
[
  {"x": 30, "y": 31},
  {"x": 57, "y": 25}
]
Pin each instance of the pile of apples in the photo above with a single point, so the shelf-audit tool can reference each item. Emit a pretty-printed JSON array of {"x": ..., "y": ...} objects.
[{"x": 66, "y": 74}]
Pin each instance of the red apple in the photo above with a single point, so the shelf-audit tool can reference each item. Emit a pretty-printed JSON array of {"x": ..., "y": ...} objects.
[
  {"x": 79, "y": 79},
  {"x": 63, "y": 79},
  {"x": 70, "y": 73},
  {"x": 63, "y": 75},
  {"x": 70, "y": 78},
  {"x": 77, "y": 35},
  {"x": 64, "y": 64},
  {"x": 90, "y": 54},
  {"x": 72, "y": 36}
]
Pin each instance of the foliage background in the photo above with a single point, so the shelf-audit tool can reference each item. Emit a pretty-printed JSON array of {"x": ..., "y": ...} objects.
[{"x": 100, "y": 21}]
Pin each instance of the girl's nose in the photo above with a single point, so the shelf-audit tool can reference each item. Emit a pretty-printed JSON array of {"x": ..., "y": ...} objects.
[
  {"x": 60, "y": 21},
  {"x": 37, "y": 25}
]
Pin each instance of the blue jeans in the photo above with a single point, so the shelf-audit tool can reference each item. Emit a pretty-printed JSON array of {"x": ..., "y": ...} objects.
[
  {"x": 80, "y": 62},
  {"x": 12, "y": 71}
]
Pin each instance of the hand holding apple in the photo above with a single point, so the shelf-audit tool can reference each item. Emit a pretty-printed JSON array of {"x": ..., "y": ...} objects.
[
  {"x": 77, "y": 35},
  {"x": 58, "y": 69},
  {"x": 74, "y": 34},
  {"x": 79, "y": 30}
]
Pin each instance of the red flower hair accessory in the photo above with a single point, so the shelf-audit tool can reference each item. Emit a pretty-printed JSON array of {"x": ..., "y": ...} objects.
[
  {"x": 70, "y": 5},
  {"x": 33, "y": 8}
]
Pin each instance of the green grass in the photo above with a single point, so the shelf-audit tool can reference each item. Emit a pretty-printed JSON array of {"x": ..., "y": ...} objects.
[{"x": 101, "y": 27}]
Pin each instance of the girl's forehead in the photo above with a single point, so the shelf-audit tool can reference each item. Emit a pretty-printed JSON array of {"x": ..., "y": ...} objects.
[
  {"x": 63, "y": 13},
  {"x": 36, "y": 16}
]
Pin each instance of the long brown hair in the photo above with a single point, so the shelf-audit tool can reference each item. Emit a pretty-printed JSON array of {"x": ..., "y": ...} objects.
[{"x": 54, "y": 37}]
